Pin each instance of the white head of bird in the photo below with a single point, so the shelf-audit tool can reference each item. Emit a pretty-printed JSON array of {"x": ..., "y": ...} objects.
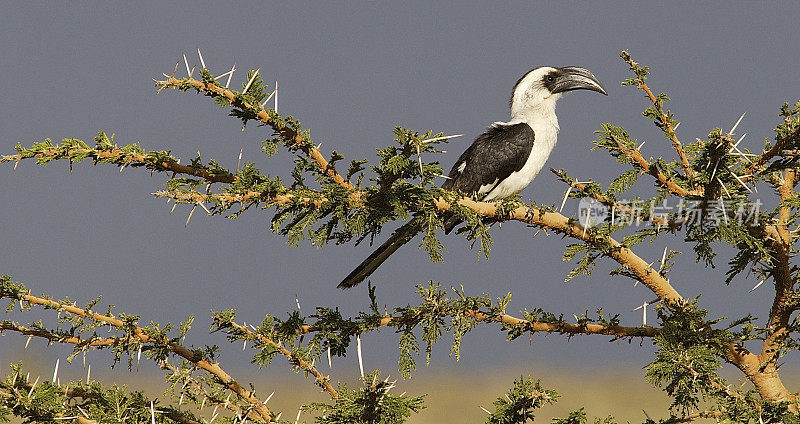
[{"x": 535, "y": 94}]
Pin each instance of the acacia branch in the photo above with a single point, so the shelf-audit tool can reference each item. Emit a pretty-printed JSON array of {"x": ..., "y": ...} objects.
[
  {"x": 764, "y": 371},
  {"x": 529, "y": 326},
  {"x": 321, "y": 379},
  {"x": 776, "y": 150},
  {"x": 194, "y": 357},
  {"x": 656, "y": 220},
  {"x": 249, "y": 197},
  {"x": 55, "y": 337},
  {"x": 693, "y": 416},
  {"x": 651, "y": 278},
  {"x": 285, "y": 132},
  {"x": 668, "y": 129},
  {"x": 123, "y": 158},
  {"x": 663, "y": 118},
  {"x": 645, "y": 167}
]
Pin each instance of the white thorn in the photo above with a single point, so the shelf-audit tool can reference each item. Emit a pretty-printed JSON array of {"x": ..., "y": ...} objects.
[
  {"x": 233, "y": 69},
  {"x": 737, "y": 123},
  {"x": 244, "y": 345},
  {"x": 279, "y": 416},
  {"x": 202, "y": 62},
  {"x": 676, "y": 126},
  {"x": 15, "y": 165},
  {"x": 576, "y": 318},
  {"x": 742, "y": 154},
  {"x": 723, "y": 187},
  {"x": 152, "y": 413},
  {"x": 330, "y": 362},
  {"x": 444, "y": 176},
  {"x": 203, "y": 404},
  {"x": 264, "y": 103},
  {"x": 740, "y": 140},
  {"x": 644, "y": 315},
  {"x": 563, "y": 202},
  {"x": 663, "y": 258},
  {"x": 268, "y": 398},
  {"x": 253, "y": 78},
  {"x": 446, "y": 137},
  {"x": 180, "y": 402},
  {"x": 28, "y": 341},
  {"x": 740, "y": 181},
  {"x": 486, "y": 410},
  {"x": 714, "y": 172},
  {"x": 173, "y": 208},
  {"x": 640, "y": 146},
  {"x": 55, "y": 370},
  {"x": 213, "y": 418},
  {"x": 360, "y": 358},
  {"x": 226, "y": 73},
  {"x": 297, "y": 301},
  {"x": 758, "y": 285},
  {"x": 419, "y": 158},
  {"x": 205, "y": 208},
  {"x": 298, "y": 415},
  {"x": 188, "y": 71},
  {"x": 276, "y": 96},
  {"x": 88, "y": 373},
  {"x": 33, "y": 387},
  {"x": 82, "y": 411},
  {"x": 190, "y": 215},
  {"x": 239, "y": 162}
]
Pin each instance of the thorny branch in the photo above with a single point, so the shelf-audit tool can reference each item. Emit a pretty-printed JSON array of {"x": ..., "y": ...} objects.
[
  {"x": 212, "y": 368},
  {"x": 123, "y": 159},
  {"x": 293, "y": 358},
  {"x": 664, "y": 120},
  {"x": 286, "y": 132},
  {"x": 529, "y": 326}
]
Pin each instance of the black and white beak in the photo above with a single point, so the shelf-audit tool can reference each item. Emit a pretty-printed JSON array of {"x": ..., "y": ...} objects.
[{"x": 574, "y": 78}]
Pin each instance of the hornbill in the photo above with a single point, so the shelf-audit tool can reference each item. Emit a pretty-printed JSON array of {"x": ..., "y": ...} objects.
[{"x": 503, "y": 160}]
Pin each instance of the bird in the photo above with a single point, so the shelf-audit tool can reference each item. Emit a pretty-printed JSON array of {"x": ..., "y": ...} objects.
[{"x": 504, "y": 159}]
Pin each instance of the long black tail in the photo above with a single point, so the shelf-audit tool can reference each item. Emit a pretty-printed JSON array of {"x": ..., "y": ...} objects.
[{"x": 400, "y": 237}]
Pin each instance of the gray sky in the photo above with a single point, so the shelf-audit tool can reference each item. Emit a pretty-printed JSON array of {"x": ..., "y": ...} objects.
[{"x": 351, "y": 72}]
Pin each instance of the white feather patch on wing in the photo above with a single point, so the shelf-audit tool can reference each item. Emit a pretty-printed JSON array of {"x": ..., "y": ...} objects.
[{"x": 486, "y": 187}]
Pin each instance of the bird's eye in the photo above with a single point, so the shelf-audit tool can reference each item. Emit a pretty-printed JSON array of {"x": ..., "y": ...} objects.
[{"x": 550, "y": 78}]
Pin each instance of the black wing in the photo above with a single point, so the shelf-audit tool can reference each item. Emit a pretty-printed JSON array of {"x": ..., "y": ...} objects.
[{"x": 493, "y": 156}]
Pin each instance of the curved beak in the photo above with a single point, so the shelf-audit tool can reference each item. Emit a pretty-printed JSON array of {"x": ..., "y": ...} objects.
[{"x": 575, "y": 78}]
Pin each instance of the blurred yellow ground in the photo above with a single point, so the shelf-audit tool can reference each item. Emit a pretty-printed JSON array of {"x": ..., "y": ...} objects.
[{"x": 455, "y": 394}]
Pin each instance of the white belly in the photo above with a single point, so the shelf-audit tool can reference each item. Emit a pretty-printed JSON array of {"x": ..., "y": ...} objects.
[{"x": 545, "y": 139}]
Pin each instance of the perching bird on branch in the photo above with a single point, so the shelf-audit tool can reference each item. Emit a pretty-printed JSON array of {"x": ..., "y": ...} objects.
[{"x": 503, "y": 160}]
